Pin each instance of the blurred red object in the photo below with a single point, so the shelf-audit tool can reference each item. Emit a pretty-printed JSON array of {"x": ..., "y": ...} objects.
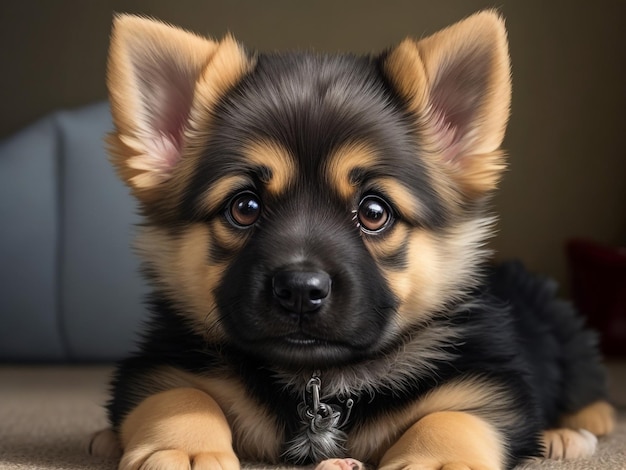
[{"x": 598, "y": 275}]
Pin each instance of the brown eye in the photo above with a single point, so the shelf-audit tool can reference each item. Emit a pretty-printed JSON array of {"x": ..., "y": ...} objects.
[
  {"x": 244, "y": 209},
  {"x": 374, "y": 214}
]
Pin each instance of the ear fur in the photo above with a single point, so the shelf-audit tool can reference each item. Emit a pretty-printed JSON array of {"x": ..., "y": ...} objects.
[
  {"x": 154, "y": 75},
  {"x": 457, "y": 84}
]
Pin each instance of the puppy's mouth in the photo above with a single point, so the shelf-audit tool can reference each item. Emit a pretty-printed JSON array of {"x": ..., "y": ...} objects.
[
  {"x": 299, "y": 349},
  {"x": 302, "y": 339}
]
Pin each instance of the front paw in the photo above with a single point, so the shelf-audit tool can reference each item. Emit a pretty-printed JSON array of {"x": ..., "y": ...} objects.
[
  {"x": 434, "y": 465},
  {"x": 105, "y": 444},
  {"x": 172, "y": 459}
]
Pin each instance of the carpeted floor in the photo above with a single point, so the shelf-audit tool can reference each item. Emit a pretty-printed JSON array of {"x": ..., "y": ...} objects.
[{"x": 47, "y": 414}]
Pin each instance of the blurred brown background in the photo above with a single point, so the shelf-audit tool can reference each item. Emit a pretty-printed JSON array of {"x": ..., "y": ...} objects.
[{"x": 567, "y": 133}]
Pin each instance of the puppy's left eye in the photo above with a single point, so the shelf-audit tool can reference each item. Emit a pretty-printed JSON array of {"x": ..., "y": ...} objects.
[
  {"x": 374, "y": 214},
  {"x": 244, "y": 209}
]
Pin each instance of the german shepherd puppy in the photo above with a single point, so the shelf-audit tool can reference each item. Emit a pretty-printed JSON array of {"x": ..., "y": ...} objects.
[{"x": 315, "y": 230}]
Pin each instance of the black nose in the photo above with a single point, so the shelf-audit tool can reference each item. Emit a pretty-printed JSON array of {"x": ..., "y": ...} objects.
[{"x": 301, "y": 291}]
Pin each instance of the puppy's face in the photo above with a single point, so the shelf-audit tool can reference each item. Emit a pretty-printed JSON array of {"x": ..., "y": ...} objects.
[{"x": 310, "y": 209}]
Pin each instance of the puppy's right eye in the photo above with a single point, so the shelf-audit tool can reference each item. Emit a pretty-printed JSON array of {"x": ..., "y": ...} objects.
[
  {"x": 374, "y": 214},
  {"x": 244, "y": 209}
]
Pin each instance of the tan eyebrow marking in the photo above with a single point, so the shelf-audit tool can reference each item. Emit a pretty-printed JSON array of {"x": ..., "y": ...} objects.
[
  {"x": 277, "y": 159},
  {"x": 401, "y": 197},
  {"x": 342, "y": 163},
  {"x": 216, "y": 195},
  {"x": 357, "y": 156}
]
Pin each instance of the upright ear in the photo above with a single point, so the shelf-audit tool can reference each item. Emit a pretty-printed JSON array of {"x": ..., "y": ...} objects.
[
  {"x": 457, "y": 85},
  {"x": 162, "y": 81}
]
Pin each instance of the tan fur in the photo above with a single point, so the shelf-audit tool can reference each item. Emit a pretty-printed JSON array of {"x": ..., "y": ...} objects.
[
  {"x": 597, "y": 418},
  {"x": 568, "y": 444},
  {"x": 380, "y": 247},
  {"x": 216, "y": 195},
  {"x": 461, "y": 250},
  {"x": 418, "y": 287},
  {"x": 181, "y": 263},
  {"x": 277, "y": 159},
  {"x": 362, "y": 156},
  {"x": 256, "y": 434},
  {"x": 406, "y": 71},
  {"x": 225, "y": 236},
  {"x": 228, "y": 65},
  {"x": 447, "y": 440},
  {"x": 401, "y": 197},
  {"x": 355, "y": 155},
  {"x": 483, "y": 399},
  {"x": 265, "y": 154},
  {"x": 443, "y": 266},
  {"x": 472, "y": 160},
  {"x": 169, "y": 430}
]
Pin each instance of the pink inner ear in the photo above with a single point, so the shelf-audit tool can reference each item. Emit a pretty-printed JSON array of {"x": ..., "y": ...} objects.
[
  {"x": 456, "y": 98},
  {"x": 165, "y": 152},
  {"x": 166, "y": 98},
  {"x": 447, "y": 136}
]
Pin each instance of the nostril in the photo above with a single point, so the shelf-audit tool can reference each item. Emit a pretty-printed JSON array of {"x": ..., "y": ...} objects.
[
  {"x": 301, "y": 291},
  {"x": 316, "y": 294},
  {"x": 282, "y": 293}
]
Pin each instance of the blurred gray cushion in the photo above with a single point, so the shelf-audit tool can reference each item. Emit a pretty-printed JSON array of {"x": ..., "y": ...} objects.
[{"x": 69, "y": 283}]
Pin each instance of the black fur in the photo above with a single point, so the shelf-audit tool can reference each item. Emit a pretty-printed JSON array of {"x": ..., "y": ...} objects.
[{"x": 562, "y": 353}]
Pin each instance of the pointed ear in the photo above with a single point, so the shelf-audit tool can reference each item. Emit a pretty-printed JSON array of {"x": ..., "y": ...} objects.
[
  {"x": 154, "y": 71},
  {"x": 457, "y": 85}
]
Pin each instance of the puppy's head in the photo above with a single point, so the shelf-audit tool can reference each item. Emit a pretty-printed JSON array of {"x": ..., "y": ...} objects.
[{"x": 310, "y": 209}]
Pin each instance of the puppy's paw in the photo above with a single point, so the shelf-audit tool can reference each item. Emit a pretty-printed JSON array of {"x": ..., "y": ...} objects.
[
  {"x": 597, "y": 418},
  {"x": 434, "y": 465},
  {"x": 105, "y": 444},
  {"x": 568, "y": 444},
  {"x": 173, "y": 459},
  {"x": 340, "y": 464}
]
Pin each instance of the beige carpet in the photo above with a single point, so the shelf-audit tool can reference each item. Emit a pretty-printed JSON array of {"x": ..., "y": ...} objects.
[{"x": 47, "y": 414}]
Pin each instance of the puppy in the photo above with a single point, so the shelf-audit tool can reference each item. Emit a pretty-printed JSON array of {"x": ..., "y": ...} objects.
[{"x": 315, "y": 230}]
